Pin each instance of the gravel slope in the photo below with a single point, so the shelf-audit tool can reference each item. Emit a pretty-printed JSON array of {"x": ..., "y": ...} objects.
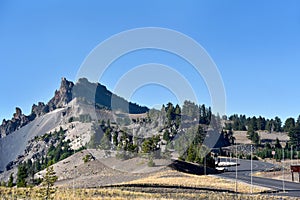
[{"x": 15, "y": 143}]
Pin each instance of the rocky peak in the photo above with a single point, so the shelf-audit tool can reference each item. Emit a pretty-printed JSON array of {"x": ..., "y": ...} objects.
[
  {"x": 60, "y": 99},
  {"x": 61, "y": 96},
  {"x": 18, "y": 120},
  {"x": 40, "y": 109},
  {"x": 92, "y": 92},
  {"x": 65, "y": 86},
  {"x": 18, "y": 113}
]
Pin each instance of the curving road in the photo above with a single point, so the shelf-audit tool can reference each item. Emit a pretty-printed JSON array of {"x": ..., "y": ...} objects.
[{"x": 244, "y": 174}]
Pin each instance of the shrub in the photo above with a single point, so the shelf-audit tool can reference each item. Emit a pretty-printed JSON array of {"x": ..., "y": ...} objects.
[
  {"x": 87, "y": 158},
  {"x": 255, "y": 158},
  {"x": 151, "y": 163}
]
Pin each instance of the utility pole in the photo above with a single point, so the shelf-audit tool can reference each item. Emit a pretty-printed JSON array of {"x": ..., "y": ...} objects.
[
  {"x": 236, "y": 164},
  {"x": 297, "y": 156},
  {"x": 283, "y": 186},
  {"x": 291, "y": 154},
  {"x": 251, "y": 171}
]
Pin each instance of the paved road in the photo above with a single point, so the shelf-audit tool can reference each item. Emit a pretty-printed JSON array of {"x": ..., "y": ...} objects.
[{"x": 244, "y": 174}]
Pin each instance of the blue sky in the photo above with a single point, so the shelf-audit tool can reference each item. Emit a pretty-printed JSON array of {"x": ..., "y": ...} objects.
[{"x": 255, "y": 44}]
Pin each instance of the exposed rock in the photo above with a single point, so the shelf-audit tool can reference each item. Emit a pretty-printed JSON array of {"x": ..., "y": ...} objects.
[
  {"x": 94, "y": 93},
  {"x": 40, "y": 109},
  {"x": 60, "y": 99},
  {"x": 103, "y": 98},
  {"x": 18, "y": 113},
  {"x": 15, "y": 123},
  {"x": 63, "y": 96}
]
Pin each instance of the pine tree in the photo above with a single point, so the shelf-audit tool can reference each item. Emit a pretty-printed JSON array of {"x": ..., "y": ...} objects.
[
  {"x": 191, "y": 154},
  {"x": 253, "y": 136},
  {"x": 277, "y": 124},
  {"x": 106, "y": 139},
  {"x": 170, "y": 113},
  {"x": 289, "y": 124},
  {"x": 166, "y": 135},
  {"x": 203, "y": 116},
  {"x": 277, "y": 144},
  {"x": 48, "y": 181},
  {"x": 298, "y": 121},
  {"x": 10, "y": 181},
  {"x": 21, "y": 176},
  {"x": 177, "y": 115},
  {"x": 294, "y": 134}
]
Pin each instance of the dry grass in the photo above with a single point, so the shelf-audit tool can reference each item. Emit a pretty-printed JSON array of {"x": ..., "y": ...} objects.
[
  {"x": 115, "y": 194},
  {"x": 174, "y": 178},
  {"x": 168, "y": 184},
  {"x": 241, "y": 136}
]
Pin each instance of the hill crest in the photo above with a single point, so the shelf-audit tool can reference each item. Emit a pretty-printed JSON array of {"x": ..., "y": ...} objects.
[{"x": 94, "y": 93}]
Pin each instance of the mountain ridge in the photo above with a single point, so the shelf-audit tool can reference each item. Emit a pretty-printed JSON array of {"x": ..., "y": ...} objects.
[{"x": 95, "y": 93}]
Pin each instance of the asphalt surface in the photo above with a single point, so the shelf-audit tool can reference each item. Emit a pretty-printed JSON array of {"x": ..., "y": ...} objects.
[{"x": 286, "y": 188}]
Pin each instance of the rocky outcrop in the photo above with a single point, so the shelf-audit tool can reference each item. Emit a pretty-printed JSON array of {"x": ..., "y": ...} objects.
[
  {"x": 18, "y": 113},
  {"x": 18, "y": 120},
  {"x": 63, "y": 96},
  {"x": 40, "y": 109},
  {"x": 103, "y": 98},
  {"x": 94, "y": 93}
]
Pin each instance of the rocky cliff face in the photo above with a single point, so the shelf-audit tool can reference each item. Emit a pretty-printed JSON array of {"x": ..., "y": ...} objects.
[
  {"x": 40, "y": 109},
  {"x": 63, "y": 96},
  {"x": 16, "y": 122},
  {"x": 60, "y": 99},
  {"x": 85, "y": 90}
]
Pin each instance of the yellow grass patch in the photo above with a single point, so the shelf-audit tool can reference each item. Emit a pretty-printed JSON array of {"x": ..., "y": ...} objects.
[
  {"x": 174, "y": 178},
  {"x": 116, "y": 194}
]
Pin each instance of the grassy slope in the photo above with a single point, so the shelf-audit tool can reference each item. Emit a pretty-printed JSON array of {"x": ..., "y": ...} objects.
[{"x": 167, "y": 184}]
